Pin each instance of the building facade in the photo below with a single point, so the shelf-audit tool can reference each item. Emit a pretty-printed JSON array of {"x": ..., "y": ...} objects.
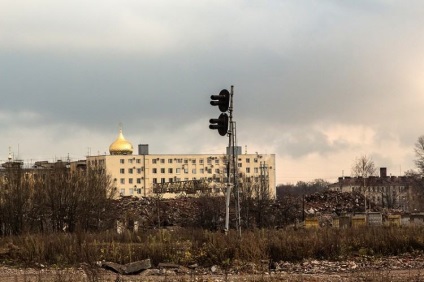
[
  {"x": 383, "y": 190},
  {"x": 144, "y": 174}
]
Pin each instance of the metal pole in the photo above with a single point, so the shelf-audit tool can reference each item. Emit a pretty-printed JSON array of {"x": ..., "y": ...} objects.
[
  {"x": 229, "y": 165},
  {"x": 236, "y": 186}
]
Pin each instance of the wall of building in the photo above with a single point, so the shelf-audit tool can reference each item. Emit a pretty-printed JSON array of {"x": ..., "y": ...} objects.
[
  {"x": 136, "y": 175},
  {"x": 385, "y": 191}
]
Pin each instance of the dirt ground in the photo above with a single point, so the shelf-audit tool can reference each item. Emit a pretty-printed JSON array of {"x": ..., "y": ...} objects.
[{"x": 68, "y": 275}]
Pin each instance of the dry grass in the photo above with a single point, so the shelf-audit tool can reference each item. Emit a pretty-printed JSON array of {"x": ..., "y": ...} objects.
[{"x": 187, "y": 246}]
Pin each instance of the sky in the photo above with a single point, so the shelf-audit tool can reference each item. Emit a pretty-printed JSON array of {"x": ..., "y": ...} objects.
[{"x": 317, "y": 83}]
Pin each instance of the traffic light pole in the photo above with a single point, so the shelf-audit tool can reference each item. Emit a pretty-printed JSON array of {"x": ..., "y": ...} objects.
[
  {"x": 232, "y": 170},
  {"x": 236, "y": 175},
  {"x": 230, "y": 163},
  {"x": 225, "y": 126}
]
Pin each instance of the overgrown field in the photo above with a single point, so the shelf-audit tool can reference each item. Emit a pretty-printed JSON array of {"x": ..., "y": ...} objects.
[{"x": 188, "y": 246}]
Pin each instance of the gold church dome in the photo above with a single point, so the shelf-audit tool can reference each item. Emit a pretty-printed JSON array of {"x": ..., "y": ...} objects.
[{"x": 121, "y": 146}]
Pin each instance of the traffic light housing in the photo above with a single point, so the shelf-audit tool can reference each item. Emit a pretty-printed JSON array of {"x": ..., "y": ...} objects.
[
  {"x": 220, "y": 123},
  {"x": 222, "y": 100}
]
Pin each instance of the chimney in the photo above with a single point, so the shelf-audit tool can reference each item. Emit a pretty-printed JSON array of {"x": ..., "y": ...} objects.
[
  {"x": 383, "y": 172},
  {"x": 143, "y": 149}
]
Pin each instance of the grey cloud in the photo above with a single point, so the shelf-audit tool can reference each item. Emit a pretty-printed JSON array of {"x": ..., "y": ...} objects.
[{"x": 153, "y": 66}]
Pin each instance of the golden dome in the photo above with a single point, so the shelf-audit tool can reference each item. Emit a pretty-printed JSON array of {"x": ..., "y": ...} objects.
[{"x": 121, "y": 146}]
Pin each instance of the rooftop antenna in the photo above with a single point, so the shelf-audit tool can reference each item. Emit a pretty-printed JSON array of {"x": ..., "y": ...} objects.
[{"x": 245, "y": 149}]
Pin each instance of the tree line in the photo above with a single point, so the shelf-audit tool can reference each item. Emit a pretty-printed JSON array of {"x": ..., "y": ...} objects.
[{"x": 45, "y": 200}]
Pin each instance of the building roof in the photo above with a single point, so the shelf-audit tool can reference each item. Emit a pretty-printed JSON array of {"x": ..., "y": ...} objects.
[{"x": 374, "y": 181}]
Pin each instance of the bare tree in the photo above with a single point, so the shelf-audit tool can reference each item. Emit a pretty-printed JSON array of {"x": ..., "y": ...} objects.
[
  {"x": 15, "y": 194},
  {"x": 363, "y": 167},
  {"x": 419, "y": 153}
]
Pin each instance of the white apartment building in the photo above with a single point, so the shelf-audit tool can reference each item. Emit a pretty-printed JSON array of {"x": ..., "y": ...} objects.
[{"x": 139, "y": 174}]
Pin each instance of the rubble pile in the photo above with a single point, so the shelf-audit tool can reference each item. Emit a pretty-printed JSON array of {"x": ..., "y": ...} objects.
[
  {"x": 407, "y": 267},
  {"x": 408, "y": 261},
  {"x": 157, "y": 212},
  {"x": 335, "y": 202},
  {"x": 208, "y": 212},
  {"x": 354, "y": 264}
]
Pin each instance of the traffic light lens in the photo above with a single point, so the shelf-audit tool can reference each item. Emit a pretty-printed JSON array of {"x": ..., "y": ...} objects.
[
  {"x": 220, "y": 123},
  {"x": 222, "y": 100}
]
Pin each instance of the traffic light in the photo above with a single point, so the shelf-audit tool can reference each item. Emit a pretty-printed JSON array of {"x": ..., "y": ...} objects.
[
  {"x": 222, "y": 100},
  {"x": 220, "y": 123}
]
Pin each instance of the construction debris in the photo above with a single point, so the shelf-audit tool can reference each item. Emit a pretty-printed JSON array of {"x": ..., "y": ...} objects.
[
  {"x": 209, "y": 212},
  {"x": 129, "y": 268}
]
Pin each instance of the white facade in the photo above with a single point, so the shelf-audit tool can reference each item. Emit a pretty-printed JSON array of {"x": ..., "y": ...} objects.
[{"x": 136, "y": 175}]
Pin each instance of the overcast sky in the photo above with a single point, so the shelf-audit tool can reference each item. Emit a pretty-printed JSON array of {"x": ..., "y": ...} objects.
[{"x": 318, "y": 83}]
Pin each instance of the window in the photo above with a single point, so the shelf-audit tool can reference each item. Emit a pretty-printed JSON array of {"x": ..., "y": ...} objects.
[
  {"x": 202, "y": 170},
  {"x": 131, "y": 191},
  {"x": 170, "y": 161},
  {"x": 217, "y": 170},
  {"x": 130, "y": 171},
  {"x": 193, "y": 171},
  {"x": 154, "y": 161},
  {"x": 139, "y": 170},
  {"x": 178, "y": 170},
  {"x": 193, "y": 161},
  {"x": 247, "y": 160},
  {"x": 130, "y": 180},
  {"x": 138, "y": 180},
  {"x": 122, "y": 192},
  {"x": 154, "y": 170},
  {"x": 162, "y": 170},
  {"x": 186, "y": 170},
  {"x": 179, "y": 161},
  {"x": 138, "y": 161},
  {"x": 169, "y": 170},
  {"x": 209, "y": 160},
  {"x": 122, "y": 171},
  {"x": 130, "y": 161},
  {"x": 216, "y": 161},
  {"x": 256, "y": 170},
  {"x": 247, "y": 169},
  {"x": 255, "y": 160},
  {"x": 239, "y": 164},
  {"x": 185, "y": 161},
  {"x": 162, "y": 161},
  {"x": 171, "y": 180},
  {"x": 162, "y": 180},
  {"x": 122, "y": 180},
  {"x": 155, "y": 180},
  {"x": 201, "y": 161},
  {"x": 122, "y": 161}
]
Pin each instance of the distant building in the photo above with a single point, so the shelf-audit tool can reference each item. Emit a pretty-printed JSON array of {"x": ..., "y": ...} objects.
[
  {"x": 384, "y": 191},
  {"x": 143, "y": 174}
]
